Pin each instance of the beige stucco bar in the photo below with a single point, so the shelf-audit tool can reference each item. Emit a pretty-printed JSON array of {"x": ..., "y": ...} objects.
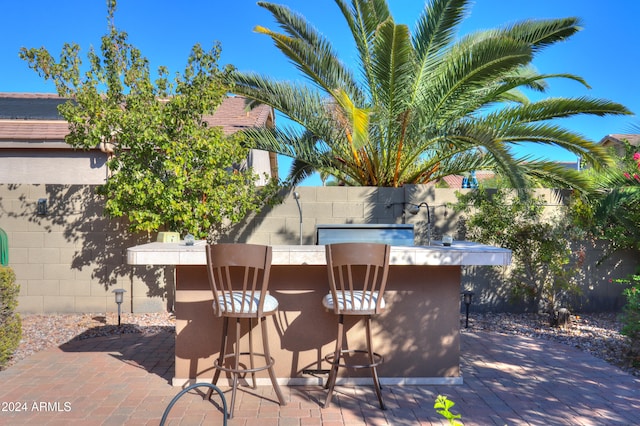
[{"x": 418, "y": 334}]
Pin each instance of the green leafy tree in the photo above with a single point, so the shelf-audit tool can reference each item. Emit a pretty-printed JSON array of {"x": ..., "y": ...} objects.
[
  {"x": 421, "y": 105},
  {"x": 168, "y": 168},
  {"x": 546, "y": 258}
]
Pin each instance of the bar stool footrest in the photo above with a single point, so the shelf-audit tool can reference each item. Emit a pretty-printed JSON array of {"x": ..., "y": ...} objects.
[
  {"x": 378, "y": 359},
  {"x": 269, "y": 364}
]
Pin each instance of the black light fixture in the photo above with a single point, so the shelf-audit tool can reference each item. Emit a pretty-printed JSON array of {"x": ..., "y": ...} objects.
[
  {"x": 119, "y": 292},
  {"x": 296, "y": 195},
  {"x": 41, "y": 208},
  {"x": 467, "y": 296}
]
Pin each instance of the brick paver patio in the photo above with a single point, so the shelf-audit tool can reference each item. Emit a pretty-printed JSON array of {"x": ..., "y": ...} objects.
[{"x": 510, "y": 380}]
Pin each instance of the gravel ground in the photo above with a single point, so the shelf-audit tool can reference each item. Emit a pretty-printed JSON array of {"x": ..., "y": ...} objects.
[
  {"x": 45, "y": 331},
  {"x": 597, "y": 334}
]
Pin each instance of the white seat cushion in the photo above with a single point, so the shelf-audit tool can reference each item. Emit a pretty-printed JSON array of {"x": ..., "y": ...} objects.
[
  {"x": 226, "y": 304},
  {"x": 346, "y": 303}
]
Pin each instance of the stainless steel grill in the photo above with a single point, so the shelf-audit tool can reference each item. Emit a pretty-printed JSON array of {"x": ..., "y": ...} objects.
[{"x": 393, "y": 234}]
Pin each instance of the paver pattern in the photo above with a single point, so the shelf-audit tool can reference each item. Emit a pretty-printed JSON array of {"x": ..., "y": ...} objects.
[{"x": 124, "y": 380}]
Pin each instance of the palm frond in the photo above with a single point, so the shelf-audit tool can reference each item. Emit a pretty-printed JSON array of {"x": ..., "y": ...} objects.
[
  {"x": 294, "y": 24},
  {"x": 497, "y": 153},
  {"x": 551, "y": 174},
  {"x": 299, "y": 171},
  {"x": 550, "y": 108},
  {"x": 356, "y": 119},
  {"x": 544, "y": 32},
  {"x": 617, "y": 178},
  {"x": 435, "y": 30},
  {"x": 309, "y": 51},
  {"x": 469, "y": 65},
  {"x": 363, "y": 18},
  {"x": 297, "y": 101},
  {"x": 523, "y": 77},
  {"x": 455, "y": 161},
  {"x": 549, "y": 134},
  {"x": 288, "y": 141},
  {"x": 393, "y": 66}
]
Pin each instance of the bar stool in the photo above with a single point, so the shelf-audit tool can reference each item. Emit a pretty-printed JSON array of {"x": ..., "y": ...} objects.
[
  {"x": 239, "y": 279},
  {"x": 357, "y": 280}
]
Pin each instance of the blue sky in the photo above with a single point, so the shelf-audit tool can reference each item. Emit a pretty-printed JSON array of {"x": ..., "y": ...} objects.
[{"x": 605, "y": 53}]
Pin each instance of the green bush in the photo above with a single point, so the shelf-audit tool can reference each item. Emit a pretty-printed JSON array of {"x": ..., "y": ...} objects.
[
  {"x": 546, "y": 256},
  {"x": 10, "y": 323},
  {"x": 631, "y": 315}
]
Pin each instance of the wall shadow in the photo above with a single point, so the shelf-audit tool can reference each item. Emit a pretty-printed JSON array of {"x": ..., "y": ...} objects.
[
  {"x": 75, "y": 213},
  {"x": 295, "y": 306},
  {"x": 243, "y": 230},
  {"x": 149, "y": 348}
]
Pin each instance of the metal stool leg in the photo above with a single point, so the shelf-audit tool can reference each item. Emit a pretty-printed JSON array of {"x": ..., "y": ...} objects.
[
  {"x": 236, "y": 367},
  {"x": 374, "y": 371},
  {"x": 267, "y": 355},
  {"x": 223, "y": 349},
  {"x": 331, "y": 380},
  {"x": 251, "y": 362}
]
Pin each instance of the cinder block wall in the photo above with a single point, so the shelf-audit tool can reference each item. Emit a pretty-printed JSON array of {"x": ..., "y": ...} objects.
[
  {"x": 72, "y": 258},
  {"x": 343, "y": 205}
]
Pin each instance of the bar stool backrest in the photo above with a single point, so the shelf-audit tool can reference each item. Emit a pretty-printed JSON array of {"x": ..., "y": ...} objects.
[
  {"x": 239, "y": 278},
  {"x": 357, "y": 276}
]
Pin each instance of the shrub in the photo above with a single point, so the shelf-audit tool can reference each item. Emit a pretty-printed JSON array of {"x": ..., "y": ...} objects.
[
  {"x": 10, "y": 324},
  {"x": 545, "y": 258},
  {"x": 631, "y": 315}
]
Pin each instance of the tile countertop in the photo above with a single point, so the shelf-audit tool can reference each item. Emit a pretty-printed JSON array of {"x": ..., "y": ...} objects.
[{"x": 460, "y": 253}]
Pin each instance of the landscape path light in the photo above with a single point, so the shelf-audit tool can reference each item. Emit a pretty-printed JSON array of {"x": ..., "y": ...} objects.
[
  {"x": 119, "y": 292},
  {"x": 466, "y": 297}
]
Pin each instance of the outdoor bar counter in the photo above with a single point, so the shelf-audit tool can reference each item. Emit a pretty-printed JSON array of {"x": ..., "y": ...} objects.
[{"x": 418, "y": 334}]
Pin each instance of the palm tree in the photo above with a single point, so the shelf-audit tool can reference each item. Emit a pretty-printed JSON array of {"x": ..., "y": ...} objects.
[{"x": 419, "y": 106}]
